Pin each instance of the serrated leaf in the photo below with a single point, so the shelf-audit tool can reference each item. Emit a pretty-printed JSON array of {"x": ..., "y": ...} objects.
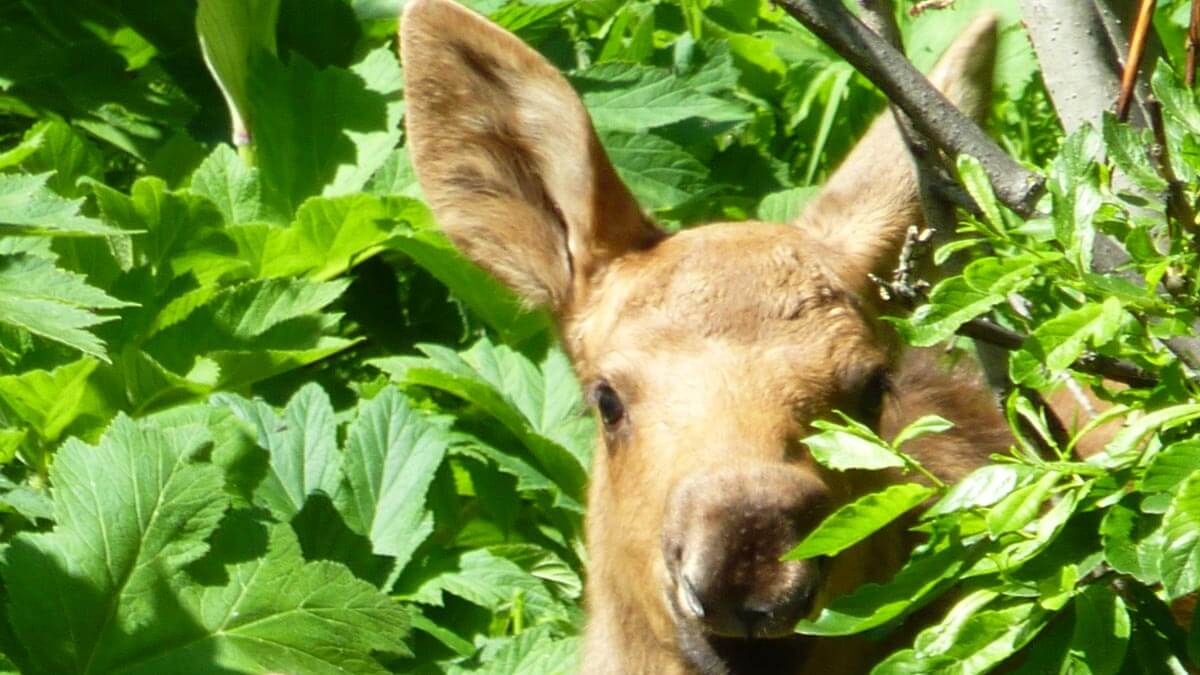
[
  {"x": 49, "y": 401},
  {"x": 302, "y": 445},
  {"x": 784, "y": 206},
  {"x": 53, "y": 303},
  {"x": 983, "y": 640},
  {"x": 235, "y": 188},
  {"x": 1180, "y": 562},
  {"x": 541, "y": 406},
  {"x": 841, "y": 450},
  {"x": 858, "y": 520},
  {"x": 60, "y": 148},
  {"x": 975, "y": 179},
  {"x": 1020, "y": 507},
  {"x": 322, "y": 131},
  {"x": 490, "y": 581},
  {"x": 955, "y": 301},
  {"x": 391, "y": 456},
  {"x": 28, "y": 206},
  {"x": 276, "y": 613},
  {"x": 130, "y": 512},
  {"x": 634, "y": 97},
  {"x": 331, "y": 234},
  {"x": 533, "y": 652},
  {"x": 661, "y": 174}
]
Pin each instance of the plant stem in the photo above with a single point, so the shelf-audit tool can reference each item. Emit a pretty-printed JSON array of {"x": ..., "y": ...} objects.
[
  {"x": 1193, "y": 43},
  {"x": 1137, "y": 47},
  {"x": 1178, "y": 207}
]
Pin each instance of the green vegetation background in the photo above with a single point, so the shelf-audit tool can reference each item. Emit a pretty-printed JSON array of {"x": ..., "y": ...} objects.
[{"x": 256, "y": 414}]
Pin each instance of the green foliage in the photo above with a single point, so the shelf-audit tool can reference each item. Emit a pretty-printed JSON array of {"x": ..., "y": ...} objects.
[{"x": 258, "y": 414}]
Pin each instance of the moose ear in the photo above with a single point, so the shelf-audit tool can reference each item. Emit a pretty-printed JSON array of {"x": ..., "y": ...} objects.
[
  {"x": 508, "y": 159},
  {"x": 868, "y": 203}
]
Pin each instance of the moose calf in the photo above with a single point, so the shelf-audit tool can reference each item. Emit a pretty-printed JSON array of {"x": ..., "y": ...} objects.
[{"x": 707, "y": 353}]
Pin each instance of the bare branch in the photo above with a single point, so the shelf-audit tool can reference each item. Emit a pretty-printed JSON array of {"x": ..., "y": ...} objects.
[
  {"x": 931, "y": 113},
  {"x": 1137, "y": 46}
]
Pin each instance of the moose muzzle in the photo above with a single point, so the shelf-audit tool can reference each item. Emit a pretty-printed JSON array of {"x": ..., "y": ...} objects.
[{"x": 723, "y": 535}]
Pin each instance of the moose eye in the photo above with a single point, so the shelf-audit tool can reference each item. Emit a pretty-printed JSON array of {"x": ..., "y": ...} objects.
[
  {"x": 870, "y": 397},
  {"x": 612, "y": 411}
]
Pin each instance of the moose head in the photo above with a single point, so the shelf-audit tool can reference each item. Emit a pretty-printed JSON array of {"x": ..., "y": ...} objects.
[{"x": 707, "y": 353}]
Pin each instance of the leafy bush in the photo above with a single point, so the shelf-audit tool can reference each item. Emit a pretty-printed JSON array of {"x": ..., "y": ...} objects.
[{"x": 257, "y": 414}]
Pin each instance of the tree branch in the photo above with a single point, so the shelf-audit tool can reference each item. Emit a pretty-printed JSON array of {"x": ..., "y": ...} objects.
[{"x": 931, "y": 113}]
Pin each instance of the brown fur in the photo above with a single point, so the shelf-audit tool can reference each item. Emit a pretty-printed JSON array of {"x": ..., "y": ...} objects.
[{"x": 723, "y": 343}]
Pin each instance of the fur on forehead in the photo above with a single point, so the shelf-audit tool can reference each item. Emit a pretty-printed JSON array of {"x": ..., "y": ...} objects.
[{"x": 740, "y": 282}]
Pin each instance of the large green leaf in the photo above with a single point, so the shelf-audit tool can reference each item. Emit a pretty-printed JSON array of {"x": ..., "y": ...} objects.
[
  {"x": 1101, "y": 633},
  {"x": 28, "y": 206},
  {"x": 859, "y": 519},
  {"x": 332, "y": 234},
  {"x": 322, "y": 131},
  {"x": 955, "y": 301},
  {"x": 48, "y": 301},
  {"x": 392, "y": 453},
  {"x": 980, "y": 642},
  {"x": 233, "y": 186},
  {"x": 50, "y": 401},
  {"x": 661, "y": 174},
  {"x": 230, "y": 31},
  {"x": 130, "y": 512},
  {"x": 540, "y": 405},
  {"x": 1059, "y": 342},
  {"x": 302, "y": 445},
  {"x": 841, "y": 450},
  {"x": 635, "y": 97}
]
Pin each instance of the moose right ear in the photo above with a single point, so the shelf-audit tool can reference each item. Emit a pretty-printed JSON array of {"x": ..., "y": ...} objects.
[{"x": 507, "y": 157}]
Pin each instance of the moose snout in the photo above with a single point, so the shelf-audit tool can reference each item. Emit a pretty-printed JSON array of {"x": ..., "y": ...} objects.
[{"x": 723, "y": 536}]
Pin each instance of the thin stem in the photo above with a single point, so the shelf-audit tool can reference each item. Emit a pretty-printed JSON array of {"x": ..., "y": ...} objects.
[
  {"x": 1178, "y": 207},
  {"x": 1137, "y": 47},
  {"x": 1193, "y": 43}
]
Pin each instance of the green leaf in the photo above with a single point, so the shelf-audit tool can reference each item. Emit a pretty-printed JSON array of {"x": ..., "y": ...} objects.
[
  {"x": 59, "y": 148},
  {"x": 1058, "y": 343},
  {"x": 50, "y": 401},
  {"x": 983, "y": 487},
  {"x": 859, "y": 519},
  {"x": 841, "y": 450},
  {"x": 27, "y": 206},
  {"x": 276, "y": 613},
  {"x": 1020, "y": 507},
  {"x": 302, "y": 445},
  {"x": 235, "y": 188},
  {"x": 926, "y": 425},
  {"x": 540, "y": 405},
  {"x": 1171, "y": 466},
  {"x": 490, "y": 300},
  {"x": 983, "y": 640},
  {"x": 1101, "y": 633},
  {"x": 661, "y": 174},
  {"x": 130, "y": 512},
  {"x": 534, "y": 652},
  {"x": 975, "y": 179},
  {"x": 1180, "y": 563},
  {"x": 1129, "y": 149},
  {"x": 634, "y": 97},
  {"x": 955, "y": 301},
  {"x": 872, "y": 605},
  {"x": 490, "y": 581},
  {"x": 1124, "y": 447},
  {"x": 1132, "y": 542},
  {"x": 322, "y": 132},
  {"x": 332, "y": 234},
  {"x": 51, "y": 302},
  {"x": 784, "y": 206},
  {"x": 391, "y": 456}
]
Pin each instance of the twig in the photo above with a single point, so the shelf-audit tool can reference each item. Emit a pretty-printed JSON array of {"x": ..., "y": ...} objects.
[
  {"x": 923, "y": 5},
  {"x": 932, "y": 114},
  {"x": 1178, "y": 207},
  {"x": 1137, "y": 47},
  {"x": 1096, "y": 364},
  {"x": 1193, "y": 43}
]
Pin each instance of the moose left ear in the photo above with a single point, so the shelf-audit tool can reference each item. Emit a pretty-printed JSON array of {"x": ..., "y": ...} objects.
[{"x": 507, "y": 157}]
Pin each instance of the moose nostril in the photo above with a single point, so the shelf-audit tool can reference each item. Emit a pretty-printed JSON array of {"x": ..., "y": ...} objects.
[
  {"x": 751, "y": 618},
  {"x": 691, "y": 600}
]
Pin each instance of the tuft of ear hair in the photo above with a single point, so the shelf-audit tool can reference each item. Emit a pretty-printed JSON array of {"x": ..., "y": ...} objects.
[{"x": 507, "y": 156}]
